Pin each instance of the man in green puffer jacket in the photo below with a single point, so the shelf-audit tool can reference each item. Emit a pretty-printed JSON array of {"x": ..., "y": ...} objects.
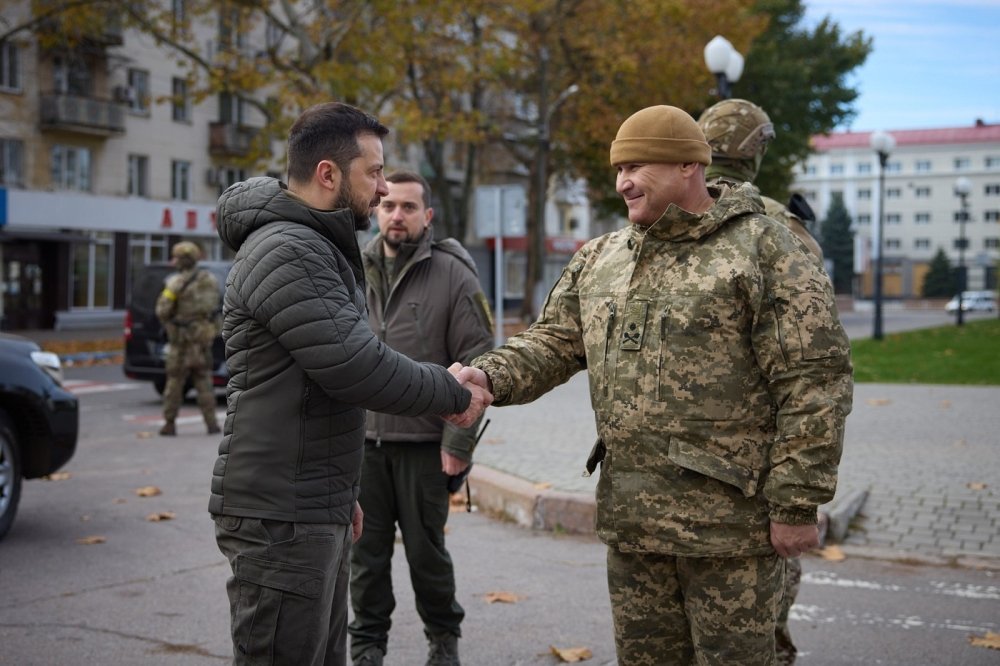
[
  {"x": 720, "y": 377},
  {"x": 303, "y": 368}
]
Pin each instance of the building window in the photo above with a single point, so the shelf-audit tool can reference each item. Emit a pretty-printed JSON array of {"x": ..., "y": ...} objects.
[
  {"x": 865, "y": 167},
  {"x": 10, "y": 66},
  {"x": 893, "y": 244},
  {"x": 181, "y": 102},
  {"x": 992, "y": 162},
  {"x": 922, "y": 166},
  {"x": 893, "y": 218},
  {"x": 922, "y": 218},
  {"x": 962, "y": 163},
  {"x": 960, "y": 243},
  {"x": 991, "y": 243},
  {"x": 836, "y": 169},
  {"x": 231, "y": 109},
  {"x": 809, "y": 169},
  {"x": 893, "y": 167},
  {"x": 138, "y": 98},
  {"x": 92, "y": 272},
  {"x": 893, "y": 193},
  {"x": 227, "y": 176},
  {"x": 71, "y": 168},
  {"x": 922, "y": 243},
  {"x": 864, "y": 218},
  {"x": 178, "y": 16},
  {"x": 922, "y": 192},
  {"x": 72, "y": 77},
  {"x": 12, "y": 162},
  {"x": 147, "y": 248},
  {"x": 138, "y": 175},
  {"x": 992, "y": 189},
  {"x": 864, "y": 194},
  {"x": 180, "y": 180},
  {"x": 991, "y": 215}
]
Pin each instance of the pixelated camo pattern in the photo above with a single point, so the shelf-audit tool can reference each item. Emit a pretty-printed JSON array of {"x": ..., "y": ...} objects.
[{"x": 720, "y": 376}]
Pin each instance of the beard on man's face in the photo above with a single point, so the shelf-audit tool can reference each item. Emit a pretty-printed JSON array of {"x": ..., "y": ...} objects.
[{"x": 362, "y": 212}]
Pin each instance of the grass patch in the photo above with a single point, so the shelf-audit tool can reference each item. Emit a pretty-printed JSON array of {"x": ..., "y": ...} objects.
[{"x": 969, "y": 354}]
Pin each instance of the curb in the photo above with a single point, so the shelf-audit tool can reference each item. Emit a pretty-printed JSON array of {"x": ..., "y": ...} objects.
[
  {"x": 521, "y": 502},
  {"x": 841, "y": 512}
]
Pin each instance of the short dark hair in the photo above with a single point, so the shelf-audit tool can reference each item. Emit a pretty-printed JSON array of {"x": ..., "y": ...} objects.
[
  {"x": 328, "y": 131},
  {"x": 412, "y": 177}
]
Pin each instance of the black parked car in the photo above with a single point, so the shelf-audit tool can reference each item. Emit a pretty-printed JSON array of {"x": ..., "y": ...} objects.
[
  {"x": 39, "y": 420},
  {"x": 145, "y": 338}
]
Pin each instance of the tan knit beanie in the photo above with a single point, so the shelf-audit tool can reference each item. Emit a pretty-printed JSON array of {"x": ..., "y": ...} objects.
[{"x": 660, "y": 134}]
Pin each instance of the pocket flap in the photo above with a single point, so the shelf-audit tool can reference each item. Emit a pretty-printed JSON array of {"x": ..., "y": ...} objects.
[
  {"x": 596, "y": 456},
  {"x": 293, "y": 578},
  {"x": 697, "y": 459}
]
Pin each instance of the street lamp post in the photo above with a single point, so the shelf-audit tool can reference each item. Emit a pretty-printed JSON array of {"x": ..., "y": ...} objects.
[
  {"x": 882, "y": 143},
  {"x": 962, "y": 188},
  {"x": 725, "y": 62}
]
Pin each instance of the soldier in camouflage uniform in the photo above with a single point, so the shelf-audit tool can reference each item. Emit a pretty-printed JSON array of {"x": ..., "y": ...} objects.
[
  {"x": 739, "y": 132},
  {"x": 188, "y": 308},
  {"x": 720, "y": 378}
]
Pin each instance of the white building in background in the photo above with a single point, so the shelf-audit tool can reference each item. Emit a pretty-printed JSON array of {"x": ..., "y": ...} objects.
[{"x": 922, "y": 211}]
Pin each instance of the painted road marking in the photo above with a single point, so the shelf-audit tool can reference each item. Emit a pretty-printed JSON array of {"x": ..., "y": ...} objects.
[{"x": 83, "y": 386}]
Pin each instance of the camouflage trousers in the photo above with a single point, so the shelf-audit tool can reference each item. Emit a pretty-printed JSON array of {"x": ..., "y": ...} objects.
[
  {"x": 194, "y": 362},
  {"x": 782, "y": 637},
  {"x": 694, "y": 610}
]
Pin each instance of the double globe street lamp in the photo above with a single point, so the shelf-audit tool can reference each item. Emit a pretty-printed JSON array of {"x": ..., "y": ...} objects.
[
  {"x": 882, "y": 143},
  {"x": 725, "y": 62}
]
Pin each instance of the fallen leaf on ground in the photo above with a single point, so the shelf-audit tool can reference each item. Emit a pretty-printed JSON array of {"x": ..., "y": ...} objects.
[
  {"x": 144, "y": 434},
  {"x": 959, "y": 443},
  {"x": 148, "y": 491},
  {"x": 571, "y": 655},
  {"x": 991, "y": 640},
  {"x": 544, "y": 485},
  {"x": 504, "y": 597},
  {"x": 976, "y": 485},
  {"x": 90, "y": 540},
  {"x": 879, "y": 402},
  {"x": 119, "y": 500},
  {"x": 58, "y": 476},
  {"x": 946, "y": 404},
  {"x": 161, "y": 515},
  {"x": 84, "y": 518},
  {"x": 832, "y": 554}
]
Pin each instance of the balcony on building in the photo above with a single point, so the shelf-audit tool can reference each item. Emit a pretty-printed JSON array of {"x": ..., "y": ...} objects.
[
  {"x": 83, "y": 114},
  {"x": 227, "y": 139},
  {"x": 104, "y": 31}
]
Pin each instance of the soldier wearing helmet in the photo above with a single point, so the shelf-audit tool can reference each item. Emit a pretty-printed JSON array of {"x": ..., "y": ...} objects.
[
  {"x": 188, "y": 308},
  {"x": 739, "y": 133}
]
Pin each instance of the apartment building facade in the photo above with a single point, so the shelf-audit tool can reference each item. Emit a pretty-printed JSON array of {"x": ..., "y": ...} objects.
[{"x": 922, "y": 210}]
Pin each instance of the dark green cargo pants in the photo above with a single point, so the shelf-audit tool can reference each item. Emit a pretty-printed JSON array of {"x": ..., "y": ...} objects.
[
  {"x": 710, "y": 611},
  {"x": 402, "y": 483},
  {"x": 288, "y": 592}
]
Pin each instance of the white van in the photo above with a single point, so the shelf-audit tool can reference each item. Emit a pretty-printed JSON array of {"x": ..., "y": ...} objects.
[{"x": 974, "y": 301}]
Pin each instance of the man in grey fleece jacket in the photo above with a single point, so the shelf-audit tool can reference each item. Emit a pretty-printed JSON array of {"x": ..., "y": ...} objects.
[{"x": 304, "y": 366}]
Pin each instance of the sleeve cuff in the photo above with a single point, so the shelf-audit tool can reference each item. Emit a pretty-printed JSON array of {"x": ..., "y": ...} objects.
[{"x": 794, "y": 516}]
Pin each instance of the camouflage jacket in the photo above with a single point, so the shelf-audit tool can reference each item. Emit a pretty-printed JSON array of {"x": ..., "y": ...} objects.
[
  {"x": 779, "y": 211},
  {"x": 188, "y": 307},
  {"x": 719, "y": 373}
]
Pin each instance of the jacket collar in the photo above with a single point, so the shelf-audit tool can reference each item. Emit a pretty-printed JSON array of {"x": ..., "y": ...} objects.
[{"x": 678, "y": 225}]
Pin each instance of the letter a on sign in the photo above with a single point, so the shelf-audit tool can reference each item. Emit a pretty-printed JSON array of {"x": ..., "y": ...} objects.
[{"x": 168, "y": 221}]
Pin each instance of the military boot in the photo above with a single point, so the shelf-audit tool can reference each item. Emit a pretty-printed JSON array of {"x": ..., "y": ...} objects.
[
  {"x": 370, "y": 657},
  {"x": 444, "y": 651},
  {"x": 168, "y": 429},
  {"x": 214, "y": 429}
]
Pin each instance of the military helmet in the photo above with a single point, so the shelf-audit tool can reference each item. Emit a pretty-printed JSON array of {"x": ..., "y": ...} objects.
[
  {"x": 736, "y": 129},
  {"x": 186, "y": 250}
]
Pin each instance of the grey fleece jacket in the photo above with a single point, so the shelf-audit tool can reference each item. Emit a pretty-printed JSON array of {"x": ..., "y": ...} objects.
[{"x": 303, "y": 363}]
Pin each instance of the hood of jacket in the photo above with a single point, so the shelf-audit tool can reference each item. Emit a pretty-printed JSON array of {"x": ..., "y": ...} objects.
[
  {"x": 731, "y": 202},
  {"x": 247, "y": 206}
]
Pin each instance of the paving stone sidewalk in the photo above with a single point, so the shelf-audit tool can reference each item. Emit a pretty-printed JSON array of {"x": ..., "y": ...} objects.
[{"x": 927, "y": 456}]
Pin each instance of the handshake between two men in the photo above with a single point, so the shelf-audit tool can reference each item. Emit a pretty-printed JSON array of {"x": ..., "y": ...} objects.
[{"x": 477, "y": 383}]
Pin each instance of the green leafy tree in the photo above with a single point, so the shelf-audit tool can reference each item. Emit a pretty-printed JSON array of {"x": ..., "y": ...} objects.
[
  {"x": 838, "y": 244},
  {"x": 798, "y": 74},
  {"x": 940, "y": 280}
]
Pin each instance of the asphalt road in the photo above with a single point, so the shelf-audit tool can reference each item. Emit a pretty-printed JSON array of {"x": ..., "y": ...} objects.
[{"x": 153, "y": 592}]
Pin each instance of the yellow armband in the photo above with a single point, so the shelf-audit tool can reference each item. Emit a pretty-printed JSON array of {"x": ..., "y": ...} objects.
[{"x": 169, "y": 294}]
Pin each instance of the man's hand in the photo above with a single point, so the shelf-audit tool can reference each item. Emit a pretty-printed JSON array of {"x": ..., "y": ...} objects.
[
  {"x": 793, "y": 540},
  {"x": 357, "y": 521},
  {"x": 452, "y": 465},
  {"x": 475, "y": 381}
]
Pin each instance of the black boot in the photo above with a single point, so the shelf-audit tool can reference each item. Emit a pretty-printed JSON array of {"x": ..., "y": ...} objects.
[
  {"x": 444, "y": 651},
  {"x": 168, "y": 429}
]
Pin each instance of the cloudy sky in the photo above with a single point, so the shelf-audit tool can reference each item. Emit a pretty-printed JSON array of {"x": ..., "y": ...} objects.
[{"x": 933, "y": 64}]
